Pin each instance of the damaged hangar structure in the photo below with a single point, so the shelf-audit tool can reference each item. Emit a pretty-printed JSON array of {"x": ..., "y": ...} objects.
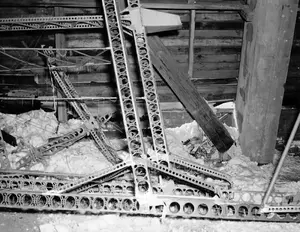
[{"x": 137, "y": 181}]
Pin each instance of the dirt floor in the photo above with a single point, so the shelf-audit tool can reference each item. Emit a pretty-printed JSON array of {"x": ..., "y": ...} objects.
[{"x": 18, "y": 222}]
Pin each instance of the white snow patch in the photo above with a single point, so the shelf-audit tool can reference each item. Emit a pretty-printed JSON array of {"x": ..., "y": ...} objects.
[{"x": 226, "y": 105}]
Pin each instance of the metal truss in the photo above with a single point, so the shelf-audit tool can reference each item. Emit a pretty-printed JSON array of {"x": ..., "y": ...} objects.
[
  {"x": 32, "y": 191},
  {"x": 162, "y": 184},
  {"x": 81, "y": 109},
  {"x": 39, "y": 154},
  {"x": 51, "y": 23}
]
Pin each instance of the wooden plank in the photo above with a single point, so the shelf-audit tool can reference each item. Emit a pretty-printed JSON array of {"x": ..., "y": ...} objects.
[
  {"x": 13, "y": 12},
  {"x": 208, "y": 90},
  {"x": 213, "y": 16},
  {"x": 206, "y": 33},
  {"x": 227, "y": 25},
  {"x": 263, "y": 72},
  {"x": 211, "y": 33},
  {"x": 199, "y": 58},
  {"x": 179, "y": 50},
  {"x": 228, "y": 5},
  {"x": 203, "y": 77},
  {"x": 201, "y": 16},
  {"x": 167, "y": 67},
  {"x": 91, "y": 42},
  {"x": 202, "y": 71}
]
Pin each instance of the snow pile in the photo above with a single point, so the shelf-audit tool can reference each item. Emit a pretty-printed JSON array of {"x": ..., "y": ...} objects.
[
  {"x": 176, "y": 136},
  {"x": 226, "y": 105},
  {"x": 34, "y": 127},
  {"x": 246, "y": 175},
  {"x": 83, "y": 157},
  {"x": 71, "y": 125},
  {"x": 185, "y": 132}
]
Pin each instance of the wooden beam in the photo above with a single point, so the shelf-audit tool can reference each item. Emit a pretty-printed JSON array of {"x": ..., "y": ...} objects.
[
  {"x": 62, "y": 115},
  {"x": 191, "y": 41},
  {"x": 263, "y": 70},
  {"x": 228, "y": 5},
  {"x": 122, "y": 5},
  {"x": 183, "y": 88}
]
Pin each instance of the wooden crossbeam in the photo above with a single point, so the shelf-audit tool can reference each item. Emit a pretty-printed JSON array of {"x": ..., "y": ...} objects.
[
  {"x": 229, "y": 5},
  {"x": 168, "y": 69}
]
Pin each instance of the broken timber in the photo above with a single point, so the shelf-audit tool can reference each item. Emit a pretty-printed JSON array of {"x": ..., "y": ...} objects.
[{"x": 184, "y": 89}]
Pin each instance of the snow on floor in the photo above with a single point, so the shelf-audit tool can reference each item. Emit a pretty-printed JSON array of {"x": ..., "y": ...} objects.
[
  {"x": 108, "y": 223},
  {"x": 83, "y": 157}
]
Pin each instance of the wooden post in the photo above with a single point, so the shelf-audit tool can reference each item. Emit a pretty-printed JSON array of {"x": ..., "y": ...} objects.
[
  {"x": 62, "y": 115},
  {"x": 169, "y": 70},
  {"x": 191, "y": 41},
  {"x": 263, "y": 71},
  {"x": 122, "y": 5}
]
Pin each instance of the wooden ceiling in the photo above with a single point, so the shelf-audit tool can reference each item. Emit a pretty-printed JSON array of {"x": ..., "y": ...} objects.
[{"x": 97, "y": 3}]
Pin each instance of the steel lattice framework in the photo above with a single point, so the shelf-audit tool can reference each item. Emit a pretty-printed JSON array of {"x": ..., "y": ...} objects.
[{"x": 162, "y": 184}]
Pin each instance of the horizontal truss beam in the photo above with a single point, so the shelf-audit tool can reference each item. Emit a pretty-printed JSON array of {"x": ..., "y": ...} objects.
[{"x": 51, "y": 23}]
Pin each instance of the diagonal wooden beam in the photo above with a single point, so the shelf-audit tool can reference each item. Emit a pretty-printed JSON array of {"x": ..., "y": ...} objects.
[{"x": 169, "y": 70}]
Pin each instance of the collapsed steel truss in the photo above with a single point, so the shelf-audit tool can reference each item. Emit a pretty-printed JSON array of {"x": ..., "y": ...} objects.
[{"x": 161, "y": 184}]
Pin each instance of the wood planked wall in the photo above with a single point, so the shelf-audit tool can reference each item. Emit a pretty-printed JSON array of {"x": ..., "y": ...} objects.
[{"x": 218, "y": 41}]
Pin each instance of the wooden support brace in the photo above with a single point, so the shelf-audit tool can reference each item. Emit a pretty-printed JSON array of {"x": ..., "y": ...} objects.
[
  {"x": 183, "y": 88},
  {"x": 62, "y": 115},
  {"x": 191, "y": 40},
  {"x": 263, "y": 70}
]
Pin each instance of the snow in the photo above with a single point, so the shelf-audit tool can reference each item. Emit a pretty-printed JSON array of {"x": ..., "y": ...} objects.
[
  {"x": 35, "y": 127},
  {"x": 227, "y": 105},
  {"x": 107, "y": 223}
]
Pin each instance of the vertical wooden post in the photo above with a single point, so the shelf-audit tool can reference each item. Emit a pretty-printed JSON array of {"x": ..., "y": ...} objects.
[
  {"x": 122, "y": 4},
  {"x": 191, "y": 41},
  {"x": 263, "y": 70},
  {"x": 60, "y": 43}
]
